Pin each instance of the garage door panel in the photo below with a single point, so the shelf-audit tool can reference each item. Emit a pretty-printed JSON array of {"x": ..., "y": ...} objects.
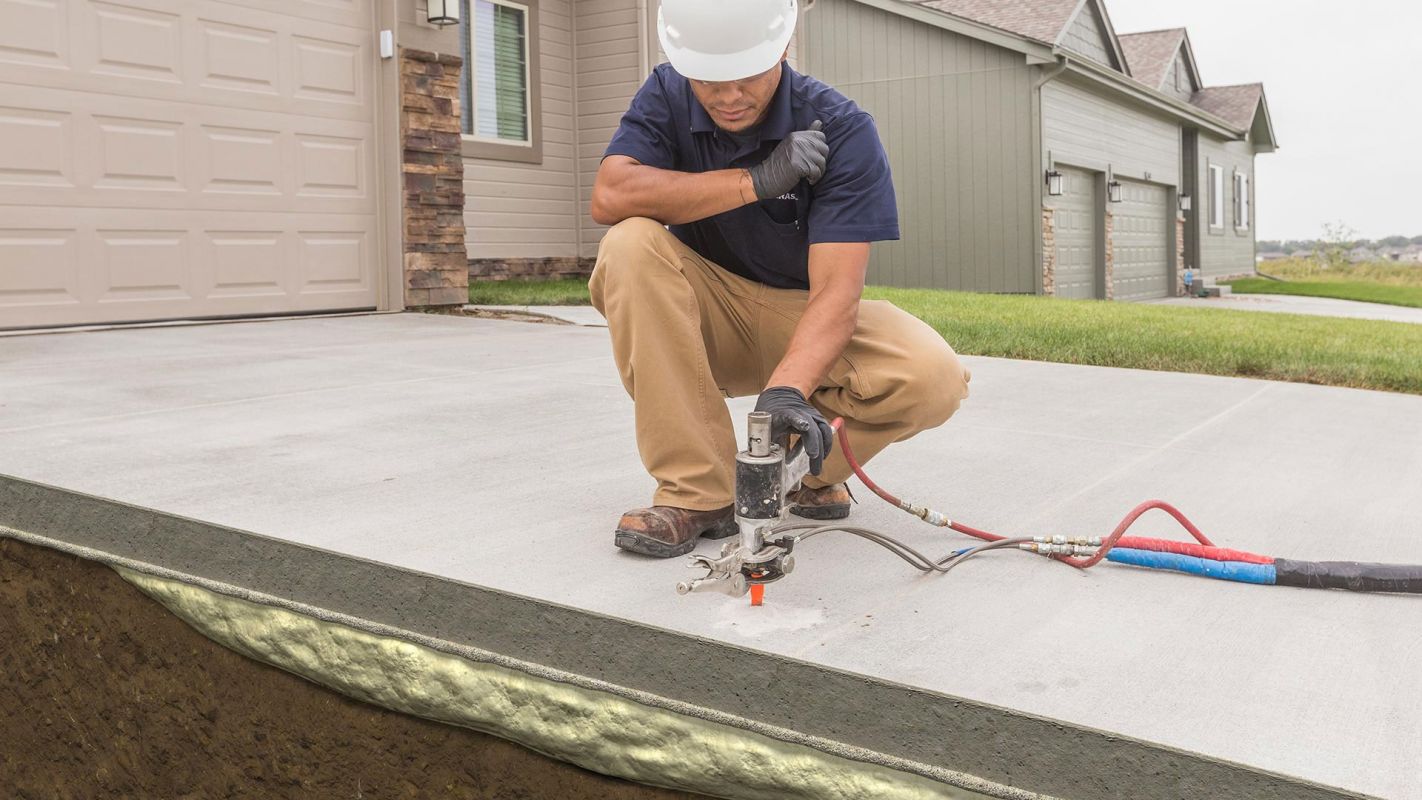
[
  {"x": 226, "y": 55},
  {"x": 1141, "y": 242},
  {"x": 1074, "y": 231},
  {"x": 149, "y": 154}
]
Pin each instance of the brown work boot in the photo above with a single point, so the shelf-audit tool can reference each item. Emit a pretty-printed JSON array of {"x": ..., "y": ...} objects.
[
  {"x": 828, "y": 502},
  {"x": 665, "y": 531}
]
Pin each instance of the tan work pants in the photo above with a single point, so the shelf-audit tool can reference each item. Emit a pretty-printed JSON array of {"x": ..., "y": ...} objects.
[{"x": 686, "y": 334}]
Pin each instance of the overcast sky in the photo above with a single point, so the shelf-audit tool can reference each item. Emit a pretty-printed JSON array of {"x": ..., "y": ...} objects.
[{"x": 1344, "y": 86}]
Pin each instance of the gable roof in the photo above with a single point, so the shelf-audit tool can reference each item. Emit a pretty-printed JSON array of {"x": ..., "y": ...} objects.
[
  {"x": 1242, "y": 106},
  {"x": 1041, "y": 20},
  {"x": 1150, "y": 54},
  {"x": 1233, "y": 104}
]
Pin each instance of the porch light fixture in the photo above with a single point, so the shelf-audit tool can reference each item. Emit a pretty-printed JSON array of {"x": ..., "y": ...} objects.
[
  {"x": 1054, "y": 183},
  {"x": 1184, "y": 201},
  {"x": 1113, "y": 191},
  {"x": 443, "y": 12}
]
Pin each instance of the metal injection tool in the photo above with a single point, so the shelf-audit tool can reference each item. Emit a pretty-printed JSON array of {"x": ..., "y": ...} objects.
[{"x": 766, "y": 472}]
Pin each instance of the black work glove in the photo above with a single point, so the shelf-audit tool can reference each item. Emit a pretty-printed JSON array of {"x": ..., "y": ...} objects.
[
  {"x": 799, "y": 156},
  {"x": 790, "y": 412}
]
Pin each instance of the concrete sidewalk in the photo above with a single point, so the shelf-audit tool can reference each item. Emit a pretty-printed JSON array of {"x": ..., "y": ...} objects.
[
  {"x": 499, "y": 454},
  {"x": 1294, "y": 304}
]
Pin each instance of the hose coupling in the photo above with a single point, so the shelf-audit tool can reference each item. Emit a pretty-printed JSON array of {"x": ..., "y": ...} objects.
[
  {"x": 927, "y": 515},
  {"x": 1055, "y": 549},
  {"x": 1089, "y": 541}
]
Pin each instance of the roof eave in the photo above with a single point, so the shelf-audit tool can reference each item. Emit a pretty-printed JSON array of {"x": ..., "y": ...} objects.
[
  {"x": 1261, "y": 114},
  {"x": 1140, "y": 91},
  {"x": 1036, "y": 52}
]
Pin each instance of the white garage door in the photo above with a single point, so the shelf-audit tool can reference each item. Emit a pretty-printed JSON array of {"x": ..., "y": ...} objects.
[
  {"x": 1074, "y": 229},
  {"x": 185, "y": 158},
  {"x": 1140, "y": 243}
]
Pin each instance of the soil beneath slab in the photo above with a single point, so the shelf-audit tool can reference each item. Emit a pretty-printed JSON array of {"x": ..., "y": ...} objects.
[{"x": 105, "y": 694}]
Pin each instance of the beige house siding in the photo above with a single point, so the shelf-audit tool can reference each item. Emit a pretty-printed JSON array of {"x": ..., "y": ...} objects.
[
  {"x": 1087, "y": 36},
  {"x": 610, "y": 68},
  {"x": 518, "y": 210}
]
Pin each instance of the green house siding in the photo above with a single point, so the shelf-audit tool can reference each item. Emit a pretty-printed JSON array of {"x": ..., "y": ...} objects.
[
  {"x": 956, "y": 118},
  {"x": 1087, "y": 36},
  {"x": 1228, "y": 249},
  {"x": 1085, "y": 129}
]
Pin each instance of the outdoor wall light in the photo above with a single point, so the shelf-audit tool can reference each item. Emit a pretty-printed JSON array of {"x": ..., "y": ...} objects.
[
  {"x": 443, "y": 12},
  {"x": 1113, "y": 191},
  {"x": 1184, "y": 201},
  {"x": 1054, "y": 183}
]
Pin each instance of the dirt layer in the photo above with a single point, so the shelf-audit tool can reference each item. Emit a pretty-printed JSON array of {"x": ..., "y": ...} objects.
[{"x": 107, "y": 695}]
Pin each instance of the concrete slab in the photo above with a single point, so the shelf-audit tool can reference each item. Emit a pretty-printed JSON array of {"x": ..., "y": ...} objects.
[
  {"x": 1291, "y": 304},
  {"x": 434, "y": 444}
]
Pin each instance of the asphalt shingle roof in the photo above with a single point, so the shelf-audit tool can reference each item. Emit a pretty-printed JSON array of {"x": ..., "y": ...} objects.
[
  {"x": 1150, "y": 54},
  {"x": 1233, "y": 104},
  {"x": 1039, "y": 20}
]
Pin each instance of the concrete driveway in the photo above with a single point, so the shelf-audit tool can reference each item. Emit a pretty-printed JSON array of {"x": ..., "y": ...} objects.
[
  {"x": 500, "y": 453},
  {"x": 1291, "y": 304}
]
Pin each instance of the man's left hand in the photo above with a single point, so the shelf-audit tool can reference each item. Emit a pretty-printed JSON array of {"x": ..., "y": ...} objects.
[{"x": 791, "y": 412}]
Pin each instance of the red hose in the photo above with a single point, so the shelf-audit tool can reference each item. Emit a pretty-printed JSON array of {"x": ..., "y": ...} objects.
[{"x": 1081, "y": 563}]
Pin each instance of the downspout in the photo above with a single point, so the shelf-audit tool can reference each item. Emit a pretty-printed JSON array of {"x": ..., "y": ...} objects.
[{"x": 1039, "y": 136}]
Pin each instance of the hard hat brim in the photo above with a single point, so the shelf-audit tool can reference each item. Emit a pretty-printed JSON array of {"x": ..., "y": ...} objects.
[{"x": 726, "y": 66}]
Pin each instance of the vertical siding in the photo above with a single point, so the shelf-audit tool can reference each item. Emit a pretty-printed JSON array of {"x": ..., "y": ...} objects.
[
  {"x": 1227, "y": 250},
  {"x": 1087, "y": 37},
  {"x": 1085, "y": 129},
  {"x": 1178, "y": 68},
  {"x": 608, "y": 66},
  {"x": 955, "y": 115},
  {"x": 515, "y": 210}
]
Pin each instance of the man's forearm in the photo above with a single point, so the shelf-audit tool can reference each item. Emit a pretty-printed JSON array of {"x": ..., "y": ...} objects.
[
  {"x": 629, "y": 189},
  {"x": 821, "y": 335}
]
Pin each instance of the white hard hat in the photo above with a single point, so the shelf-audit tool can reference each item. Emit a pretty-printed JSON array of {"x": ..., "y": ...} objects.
[{"x": 725, "y": 40}]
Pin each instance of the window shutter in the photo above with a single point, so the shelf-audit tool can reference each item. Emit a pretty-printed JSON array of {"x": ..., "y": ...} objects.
[
  {"x": 499, "y": 72},
  {"x": 510, "y": 49}
]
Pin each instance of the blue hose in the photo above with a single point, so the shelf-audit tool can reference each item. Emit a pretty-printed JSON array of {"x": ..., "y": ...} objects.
[{"x": 1222, "y": 570}]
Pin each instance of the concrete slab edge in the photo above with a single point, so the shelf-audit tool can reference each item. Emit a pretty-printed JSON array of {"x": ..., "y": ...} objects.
[
  {"x": 555, "y": 714},
  {"x": 657, "y": 740},
  {"x": 976, "y": 747}
]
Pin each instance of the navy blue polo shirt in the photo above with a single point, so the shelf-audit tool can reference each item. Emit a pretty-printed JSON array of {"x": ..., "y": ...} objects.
[{"x": 767, "y": 241}]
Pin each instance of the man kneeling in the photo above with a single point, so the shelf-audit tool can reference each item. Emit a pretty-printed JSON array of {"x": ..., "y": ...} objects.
[{"x": 743, "y": 197}]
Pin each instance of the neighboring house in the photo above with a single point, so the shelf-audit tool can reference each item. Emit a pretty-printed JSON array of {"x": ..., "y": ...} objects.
[
  {"x": 1361, "y": 254},
  {"x": 1412, "y": 254},
  {"x": 213, "y": 158},
  {"x": 1301, "y": 254}
]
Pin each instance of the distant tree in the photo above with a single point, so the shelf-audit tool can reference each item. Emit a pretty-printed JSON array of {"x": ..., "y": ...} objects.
[
  {"x": 1395, "y": 241},
  {"x": 1416, "y": 240},
  {"x": 1332, "y": 251}
]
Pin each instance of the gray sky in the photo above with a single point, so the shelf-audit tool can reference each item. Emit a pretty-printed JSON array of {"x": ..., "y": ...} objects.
[{"x": 1344, "y": 85}]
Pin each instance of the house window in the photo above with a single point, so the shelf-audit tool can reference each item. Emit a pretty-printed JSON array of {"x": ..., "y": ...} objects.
[
  {"x": 1241, "y": 200},
  {"x": 495, "y": 96},
  {"x": 1216, "y": 196}
]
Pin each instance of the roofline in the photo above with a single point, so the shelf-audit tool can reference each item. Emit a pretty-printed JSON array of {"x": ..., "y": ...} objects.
[
  {"x": 1156, "y": 30},
  {"x": 1153, "y": 97},
  {"x": 1036, "y": 52},
  {"x": 1111, "y": 36},
  {"x": 1190, "y": 57},
  {"x": 1268, "y": 120}
]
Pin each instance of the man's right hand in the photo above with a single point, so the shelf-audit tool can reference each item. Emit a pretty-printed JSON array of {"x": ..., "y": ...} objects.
[{"x": 799, "y": 156}]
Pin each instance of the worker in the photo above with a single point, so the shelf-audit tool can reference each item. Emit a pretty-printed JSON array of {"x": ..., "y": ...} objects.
[{"x": 743, "y": 198}]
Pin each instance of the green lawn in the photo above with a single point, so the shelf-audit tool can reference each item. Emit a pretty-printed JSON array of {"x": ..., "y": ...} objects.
[
  {"x": 1287, "y": 347},
  {"x": 1342, "y": 290},
  {"x": 566, "y": 292}
]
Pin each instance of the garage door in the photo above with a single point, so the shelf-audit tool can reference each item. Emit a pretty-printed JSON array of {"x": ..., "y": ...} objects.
[
  {"x": 1140, "y": 243},
  {"x": 182, "y": 158},
  {"x": 1074, "y": 228}
]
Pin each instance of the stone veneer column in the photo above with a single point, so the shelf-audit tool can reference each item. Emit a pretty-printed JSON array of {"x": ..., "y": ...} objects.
[
  {"x": 1180, "y": 256},
  {"x": 1110, "y": 258},
  {"x": 432, "y": 207},
  {"x": 1049, "y": 252}
]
